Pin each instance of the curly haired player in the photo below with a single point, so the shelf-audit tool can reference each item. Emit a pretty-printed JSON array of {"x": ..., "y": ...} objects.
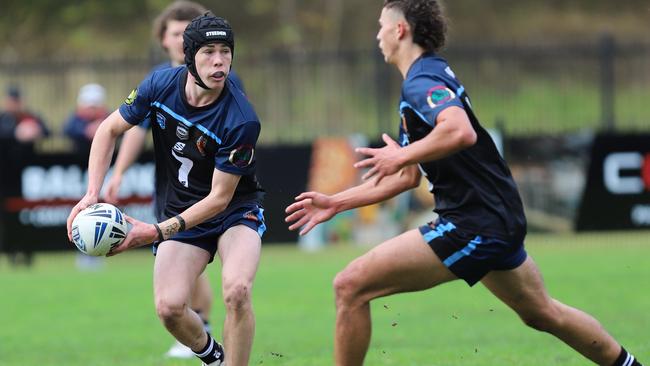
[{"x": 480, "y": 231}]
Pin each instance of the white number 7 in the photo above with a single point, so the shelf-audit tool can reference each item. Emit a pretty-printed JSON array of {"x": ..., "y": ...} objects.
[{"x": 184, "y": 170}]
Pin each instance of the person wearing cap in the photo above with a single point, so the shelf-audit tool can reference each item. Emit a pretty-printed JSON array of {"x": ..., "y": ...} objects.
[
  {"x": 208, "y": 199},
  {"x": 168, "y": 28},
  {"x": 18, "y": 123},
  {"x": 91, "y": 110}
]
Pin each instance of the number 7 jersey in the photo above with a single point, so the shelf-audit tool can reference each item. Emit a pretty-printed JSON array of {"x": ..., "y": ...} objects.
[{"x": 190, "y": 142}]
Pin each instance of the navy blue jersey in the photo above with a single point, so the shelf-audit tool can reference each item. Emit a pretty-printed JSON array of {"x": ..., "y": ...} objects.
[
  {"x": 190, "y": 142},
  {"x": 232, "y": 76},
  {"x": 472, "y": 188}
]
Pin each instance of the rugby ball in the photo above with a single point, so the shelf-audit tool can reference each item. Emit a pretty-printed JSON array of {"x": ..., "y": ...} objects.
[{"x": 98, "y": 228}]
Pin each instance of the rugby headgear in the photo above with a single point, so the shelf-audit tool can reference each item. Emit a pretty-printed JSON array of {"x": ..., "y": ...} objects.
[{"x": 202, "y": 30}]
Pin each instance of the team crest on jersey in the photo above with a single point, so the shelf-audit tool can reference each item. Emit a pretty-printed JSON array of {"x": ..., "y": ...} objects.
[
  {"x": 131, "y": 97},
  {"x": 242, "y": 156},
  {"x": 439, "y": 95},
  {"x": 200, "y": 144},
  {"x": 161, "y": 119},
  {"x": 182, "y": 132}
]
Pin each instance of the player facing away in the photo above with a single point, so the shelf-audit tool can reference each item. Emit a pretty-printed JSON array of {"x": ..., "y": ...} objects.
[
  {"x": 481, "y": 227},
  {"x": 168, "y": 29},
  {"x": 205, "y": 132}
]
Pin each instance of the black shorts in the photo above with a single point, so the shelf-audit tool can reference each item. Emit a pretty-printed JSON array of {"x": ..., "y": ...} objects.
[
  {"x": 207, "y": 235},
  {"x": 470, "y": 256}
]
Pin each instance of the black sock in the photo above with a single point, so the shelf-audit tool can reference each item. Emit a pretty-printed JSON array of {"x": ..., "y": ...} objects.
[
  {"x": 211, "y": 352},
  {"x": 626, "y": 359}
]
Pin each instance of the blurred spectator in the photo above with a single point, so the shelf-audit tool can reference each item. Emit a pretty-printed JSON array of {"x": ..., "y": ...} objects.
[
  {"x": 17, "y": 123},
  {"x": 90, "y": 112}
]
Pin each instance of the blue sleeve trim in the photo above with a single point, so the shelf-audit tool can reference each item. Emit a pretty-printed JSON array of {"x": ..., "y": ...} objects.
[{"x": 404, "y": 105}]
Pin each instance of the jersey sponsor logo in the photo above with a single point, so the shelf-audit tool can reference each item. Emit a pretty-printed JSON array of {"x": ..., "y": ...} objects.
[
  {"x": 131, "y": 97},
  {"x": 161, "y": 119},
  {"x": 439, "y": 95},
  {"x": 182, "y": 132},
  {"x": 179, "y": 146},
  {"x": 200, "y": 144},
  {"x": 242, "y": 156}
]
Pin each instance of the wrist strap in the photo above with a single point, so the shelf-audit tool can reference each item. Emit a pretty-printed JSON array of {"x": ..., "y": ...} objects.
[
  {"x": 181, "y": 222},
  {"x": 160, "y": 234}
]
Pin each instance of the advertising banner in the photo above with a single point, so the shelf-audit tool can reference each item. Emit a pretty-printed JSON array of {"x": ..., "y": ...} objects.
[
  {"x": 617, "y": 193},
  {"x": 37, "y": 193}
]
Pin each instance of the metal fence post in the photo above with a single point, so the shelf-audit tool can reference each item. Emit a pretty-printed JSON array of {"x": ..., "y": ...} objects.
[{"x": 607, "y": 81}]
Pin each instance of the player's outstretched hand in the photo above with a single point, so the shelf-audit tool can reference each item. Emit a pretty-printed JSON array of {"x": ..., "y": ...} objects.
[
  {"x": 112, "y": 189},
  {"x": 140, "y": 234},
  {"x": 309, "y": 210},
  {"x": 83, "y": 203},
  {"x": 382, "y": 161}
]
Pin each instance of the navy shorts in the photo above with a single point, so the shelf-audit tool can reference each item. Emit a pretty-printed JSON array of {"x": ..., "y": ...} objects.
[
  {"x": 471, "y": 256},
  {"x": 207, "y": 235}
]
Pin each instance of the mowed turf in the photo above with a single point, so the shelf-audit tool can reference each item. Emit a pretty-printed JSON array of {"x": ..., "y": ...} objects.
[{"x": 54, "y": 314}]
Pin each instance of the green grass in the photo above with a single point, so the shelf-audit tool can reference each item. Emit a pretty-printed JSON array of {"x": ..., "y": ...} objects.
[{"x": 54, "y": 314}]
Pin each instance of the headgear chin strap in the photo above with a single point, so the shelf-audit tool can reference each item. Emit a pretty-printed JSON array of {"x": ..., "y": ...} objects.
[{"x": 202, "y": 30}]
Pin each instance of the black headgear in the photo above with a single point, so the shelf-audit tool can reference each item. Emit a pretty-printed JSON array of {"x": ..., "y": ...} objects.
[{"x": 202, "y": 30}]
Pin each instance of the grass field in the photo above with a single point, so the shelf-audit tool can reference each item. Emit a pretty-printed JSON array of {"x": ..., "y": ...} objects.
[{"x": 54, "y": 314}]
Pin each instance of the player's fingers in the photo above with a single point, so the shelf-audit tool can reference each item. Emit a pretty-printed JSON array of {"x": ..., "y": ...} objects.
[
  {"x": 305, "y": 195},
  {"x": 114, "y": 251},
  {"x": 295, "y": 216},
  {"x": 73, "y": 214},
  {"x": 295, "y": 207},
  {"x": 389, "y": 141},
  {"x": 364, "y": 163},
  {"x": 307, "y": 228},
  {"x": 129, "y": 219},
  {"x": 120, "y": 248},
  {"x": 365, "y": 151},
  {"x": 369, "y": 173},
  {"x": 298, "y": 224},
  {"x": 378, "y": 177}
]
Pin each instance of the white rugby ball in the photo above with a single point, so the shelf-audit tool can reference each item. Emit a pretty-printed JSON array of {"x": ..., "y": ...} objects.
[{"x": 99, "y": 228}]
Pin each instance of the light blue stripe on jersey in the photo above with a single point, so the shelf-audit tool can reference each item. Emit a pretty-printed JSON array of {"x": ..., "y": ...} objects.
[
  {"x": 403, "y": 105},
  {"x": 186, "y": 122},
  {"x": 467, "y": 250},
  {"x": 440, "y": 230}
]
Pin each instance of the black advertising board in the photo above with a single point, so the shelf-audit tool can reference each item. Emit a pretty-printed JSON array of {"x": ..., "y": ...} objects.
[
  {"x": 617, "y": 192},
  {"x": 37, "y": 193}
]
